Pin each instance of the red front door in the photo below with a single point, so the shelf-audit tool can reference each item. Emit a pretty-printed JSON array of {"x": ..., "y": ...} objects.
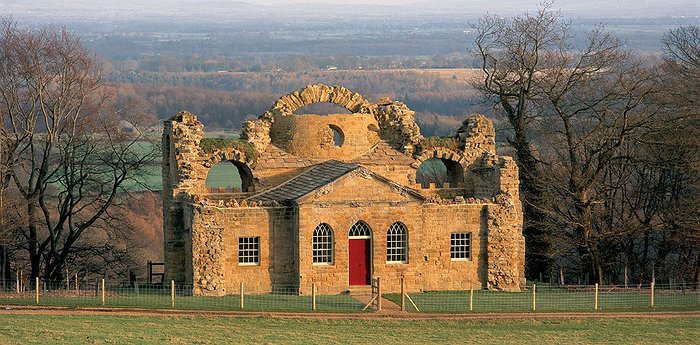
[{"x": 360, "y": 261}]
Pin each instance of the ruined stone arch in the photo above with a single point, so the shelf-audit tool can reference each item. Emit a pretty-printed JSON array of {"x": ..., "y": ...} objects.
[
  {"x": 238, "y": 159},
  {"x": 455, "y": 163},
  {"x": 319, "y": 93}
]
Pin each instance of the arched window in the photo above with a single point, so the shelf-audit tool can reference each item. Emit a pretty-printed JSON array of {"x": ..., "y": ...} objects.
[
  {"x": 229, "y": 177},
  {"x": 360, "y": 230},
  {"x": 323, "y": 244},
  {"x": 439, "y": 171},
  {"x": 397, "y": 243}
]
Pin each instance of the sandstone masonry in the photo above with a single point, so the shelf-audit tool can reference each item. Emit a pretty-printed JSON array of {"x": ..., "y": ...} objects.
[{"x": 333, "y": 200}]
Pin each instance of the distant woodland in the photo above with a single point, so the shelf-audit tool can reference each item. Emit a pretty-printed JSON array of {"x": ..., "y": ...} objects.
[{"x": 222, "y": 100}]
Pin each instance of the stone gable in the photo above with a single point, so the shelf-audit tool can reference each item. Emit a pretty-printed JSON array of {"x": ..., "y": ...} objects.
[{"x": 361, "y": 186}]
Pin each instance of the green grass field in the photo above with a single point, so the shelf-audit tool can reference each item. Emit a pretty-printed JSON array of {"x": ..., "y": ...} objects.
[
  {"x": 224, "y": 175},
  {"x": 98, "y": 329}
]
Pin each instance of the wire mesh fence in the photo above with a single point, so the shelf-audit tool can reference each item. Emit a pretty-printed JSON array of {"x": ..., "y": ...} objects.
[
  {"x": 534, "y": 298},
  {"x": 99, "y": 293},
  {"x": 555, "y": 298}
]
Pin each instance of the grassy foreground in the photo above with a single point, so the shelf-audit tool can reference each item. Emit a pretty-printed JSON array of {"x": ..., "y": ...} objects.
[{"x": 90, "y": 329}]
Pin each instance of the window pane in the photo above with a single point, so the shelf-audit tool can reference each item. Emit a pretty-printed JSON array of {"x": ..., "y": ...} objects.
[
  {"x": 460, "y": 245},
  {"x": 322, "y": 244},
  {"x": 396, "y": 243},
  {"x": 249, "y": 250}
]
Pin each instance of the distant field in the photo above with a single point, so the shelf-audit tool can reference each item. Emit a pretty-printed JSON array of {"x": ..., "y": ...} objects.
[
  {"x": 460, "y": 73},
  {"x": 91, "y": 329},
  {"x": 222, "y": 134}
]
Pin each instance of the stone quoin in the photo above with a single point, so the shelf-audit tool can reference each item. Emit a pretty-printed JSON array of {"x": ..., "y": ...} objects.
[{"x": 333, "y": 200}]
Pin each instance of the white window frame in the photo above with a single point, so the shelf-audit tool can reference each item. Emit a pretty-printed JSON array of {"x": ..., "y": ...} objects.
[
  {"x": 322, "y": 236},
  {"x": 360, "y": 230},
  {"x": 249, "y": 248},
  {"x": 397, "y": 244},
  {"x": 460, "y": 246}
]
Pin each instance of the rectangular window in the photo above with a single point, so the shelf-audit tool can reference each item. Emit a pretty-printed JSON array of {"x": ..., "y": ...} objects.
[
  {"x": 460, "y": 246},
  {"x": 249, "y": 250}
]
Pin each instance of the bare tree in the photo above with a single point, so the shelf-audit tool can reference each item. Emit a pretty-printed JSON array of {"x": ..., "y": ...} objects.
[
  {"x": 593, "y": 102},
  {"x": 432, "y": 171},
  {"x": 66, "y": 157},
  {"x": 683, "y": 47},
  {"x": 511, "y": 54},
  {"x": 579, "y": 105},
  {"x": 676, "y": 147}
]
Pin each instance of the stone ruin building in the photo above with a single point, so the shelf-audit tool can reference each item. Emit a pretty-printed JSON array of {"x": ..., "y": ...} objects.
[{"x": 333, "y": 200}]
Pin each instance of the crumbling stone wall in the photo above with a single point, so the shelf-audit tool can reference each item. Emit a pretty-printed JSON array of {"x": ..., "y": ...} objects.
[
  {"x": 393, "y": 121},
  {"x": 506, "y": 245},
  {"x": 476, "y": 138}
]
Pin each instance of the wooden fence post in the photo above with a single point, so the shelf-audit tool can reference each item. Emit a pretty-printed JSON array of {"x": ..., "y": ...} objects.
[
  {"x": 77, "y": 285},
  {"x": 534, "y": 297},
  {"x": 67, "y": 280},
  {"x": 313, "y": 296},
  {"x": 242, "y": 295},
  {"x": 561, "y": 276},
  {"x": 626, "y": 278},
  {"x": 36, "y": 287},
  {"x": 652, "y": 293},
  {"x": 17, "y": 281},
  {"x": 471, "y": 296},
  {"x": 172, "y": 293},
  {"x": 379, "y": 294},
  {"x": 403, "y": 296},
  {"x": 103, "y": 291},
  {"x": 595, "y": 303}
]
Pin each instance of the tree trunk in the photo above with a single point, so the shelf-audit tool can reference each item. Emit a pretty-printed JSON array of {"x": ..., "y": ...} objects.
[
  {"x": 537, "y": 256},
  {"x": 34, "y": 255}
]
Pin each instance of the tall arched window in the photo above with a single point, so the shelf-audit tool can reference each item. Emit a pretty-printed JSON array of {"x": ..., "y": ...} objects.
[
  {"x": 323, "y": 244},
  {"x": 397, "y": 243}
]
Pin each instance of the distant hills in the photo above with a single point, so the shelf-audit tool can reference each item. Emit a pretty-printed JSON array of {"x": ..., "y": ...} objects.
[{"x": 232, "y": 9}]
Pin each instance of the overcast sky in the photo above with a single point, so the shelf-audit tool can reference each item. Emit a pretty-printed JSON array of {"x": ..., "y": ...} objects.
[{"x": 597, "y": 8}]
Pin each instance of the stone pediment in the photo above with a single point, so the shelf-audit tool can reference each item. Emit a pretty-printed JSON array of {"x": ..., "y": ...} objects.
[
  {"x": 337, "y": 181},
  {"x": 361, "y": 187}
]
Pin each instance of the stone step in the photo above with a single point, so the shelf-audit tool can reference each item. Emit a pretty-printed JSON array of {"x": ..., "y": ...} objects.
[{"x": 360, "y": 290}]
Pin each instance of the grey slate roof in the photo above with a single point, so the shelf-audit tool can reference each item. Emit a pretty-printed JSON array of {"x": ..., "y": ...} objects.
[{"x": 306, "y": 182}]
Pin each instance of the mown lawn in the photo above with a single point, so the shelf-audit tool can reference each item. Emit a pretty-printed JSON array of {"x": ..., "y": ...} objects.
[{"x": 91, "y": 329}]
